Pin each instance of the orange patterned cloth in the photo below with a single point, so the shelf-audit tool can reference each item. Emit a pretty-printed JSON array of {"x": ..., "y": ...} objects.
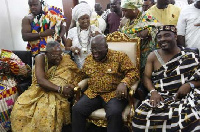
[
  {"x": 39, "y": 110},
  {"x": 8, "y": 83},
  {"x": 104, "y": 77}
]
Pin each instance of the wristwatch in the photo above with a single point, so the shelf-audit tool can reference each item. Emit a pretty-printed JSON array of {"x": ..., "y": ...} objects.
[{"x": 191, "y": 85}]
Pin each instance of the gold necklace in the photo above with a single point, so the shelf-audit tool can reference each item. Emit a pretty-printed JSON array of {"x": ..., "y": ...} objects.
[{"x": 128, "y": 25}]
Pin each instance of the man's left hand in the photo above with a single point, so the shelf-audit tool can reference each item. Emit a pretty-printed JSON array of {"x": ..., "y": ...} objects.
[
  {"x": 121, "y": 91},
  {"x": 143, "y": 34},
  {"x": 182, "y": 91}
]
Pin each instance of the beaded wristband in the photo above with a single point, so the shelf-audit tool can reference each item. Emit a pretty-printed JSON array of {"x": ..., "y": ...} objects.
[{"x": 153, "y": 91}]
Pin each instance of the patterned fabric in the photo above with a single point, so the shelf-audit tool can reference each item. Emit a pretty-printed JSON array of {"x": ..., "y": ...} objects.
[
  {"x": 8, "y": 89},
  {"x": 50, "y": 18},
  {"x": 132, "y": 4},
  {"x": 104, "y": 77},
  {"x": 167, "y": 16},
  {"x": 148, "y": 44},
  {"x": 172, "y": 115},
  {"x": 38, "y": 110}
]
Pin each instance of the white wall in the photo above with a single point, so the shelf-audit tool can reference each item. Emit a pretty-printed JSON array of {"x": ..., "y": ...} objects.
[{"x": 11, "y": 15}]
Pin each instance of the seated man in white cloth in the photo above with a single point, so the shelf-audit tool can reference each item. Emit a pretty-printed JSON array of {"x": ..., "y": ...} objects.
[
  {"x": 172, "y": 76},
  {"x": 189, "y": 26}
]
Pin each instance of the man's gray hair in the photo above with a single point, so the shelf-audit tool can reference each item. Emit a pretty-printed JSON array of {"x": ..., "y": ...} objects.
[{"x": 51, "y": 44}]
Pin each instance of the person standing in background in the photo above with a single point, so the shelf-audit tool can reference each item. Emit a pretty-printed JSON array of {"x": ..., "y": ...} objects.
[{"x": 43, "y": 24}]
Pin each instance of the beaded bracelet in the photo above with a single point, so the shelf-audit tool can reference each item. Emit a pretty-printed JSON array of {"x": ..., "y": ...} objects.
[
  {"x": 60, "y": 89},
  {"x": 153, "y": 90}
]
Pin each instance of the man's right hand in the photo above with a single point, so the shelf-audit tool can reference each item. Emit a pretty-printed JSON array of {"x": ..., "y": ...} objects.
[
  {"x": 68, "y": 90},
  {"x": 48, "y": 32},
  {"x": 75, "y": 50},
  {"x": 155, "y": 99}
]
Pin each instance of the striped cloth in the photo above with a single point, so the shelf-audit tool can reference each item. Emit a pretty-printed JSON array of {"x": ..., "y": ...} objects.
[{"x": 181, "y": 115}]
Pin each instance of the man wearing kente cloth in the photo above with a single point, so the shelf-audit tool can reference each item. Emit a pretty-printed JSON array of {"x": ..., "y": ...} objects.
[
  {"x": 44, "y": 107},
  {"x": 110, "y": 75},
  {"x": 172, "y": 75},
  {"x": 42, "y": 25},
  {"x": 11, "y": 66}
]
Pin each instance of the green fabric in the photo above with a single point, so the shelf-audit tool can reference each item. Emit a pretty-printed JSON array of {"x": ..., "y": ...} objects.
[{"x": 131, "y": 4}]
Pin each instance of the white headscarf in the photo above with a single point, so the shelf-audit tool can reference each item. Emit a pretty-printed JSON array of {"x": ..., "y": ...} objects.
[{"x": 80, "y": 10}]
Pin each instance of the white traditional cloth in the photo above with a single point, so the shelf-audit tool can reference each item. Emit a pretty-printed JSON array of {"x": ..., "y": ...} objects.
[
  {"x": 181, "y": 3},
  {"x": 189, "y": 16},
  {"x": 73, "y": 35},
  {"x": 80, "y": 10}
]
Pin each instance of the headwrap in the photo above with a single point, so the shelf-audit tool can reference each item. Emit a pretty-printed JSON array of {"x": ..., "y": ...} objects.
[
  {"x": 171, "y": 28},
  {"x": 131, "y": 4},
  {"x": 80, "y": 10}
]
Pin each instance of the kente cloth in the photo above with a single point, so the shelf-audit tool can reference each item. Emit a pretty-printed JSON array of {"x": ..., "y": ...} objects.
[
  {"x": 74, "y": 34},
  {"x": 49, "y": 18},
  {"x": 132, "y": 28},
  {"x": 40, "y": 110},
  {"x": 104, "y": 77},
  {"x": 8, "y": 89},
  {"x": 171, "y": 116},
  {"x": 189, "y": 16},
  {"x": 167, "y": 16}
]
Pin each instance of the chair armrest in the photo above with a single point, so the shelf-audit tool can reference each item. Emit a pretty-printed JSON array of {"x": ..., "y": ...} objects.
[
  {"x": 82, "y": 85},
  {"x": 130, "y": 95},
  {"x": 133, "y": 88}
]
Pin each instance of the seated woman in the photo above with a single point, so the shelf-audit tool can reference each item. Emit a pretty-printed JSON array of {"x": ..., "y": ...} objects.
[
  {"x": 10, "y": 67},
  {"x": 139, "y": 25},
  {"x": 78, "y": 39},
  {"x": 44, "y": 106}
]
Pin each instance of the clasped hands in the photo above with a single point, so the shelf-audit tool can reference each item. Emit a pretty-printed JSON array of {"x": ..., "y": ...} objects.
[
  {"x": 156, "y": 98},
  {"x": 68, "y": 90}
]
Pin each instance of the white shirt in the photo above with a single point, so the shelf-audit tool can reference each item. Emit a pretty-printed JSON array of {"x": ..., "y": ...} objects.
[
  {"x": 73, "y": 35},
  {"x": 189, "y": 16}
]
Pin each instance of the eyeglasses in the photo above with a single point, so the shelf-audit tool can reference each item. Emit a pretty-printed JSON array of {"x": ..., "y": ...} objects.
[{"x": 55, "y": 55}]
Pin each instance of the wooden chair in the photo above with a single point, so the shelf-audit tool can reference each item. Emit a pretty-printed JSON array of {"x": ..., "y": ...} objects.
[{"x": 117, "y": 41}]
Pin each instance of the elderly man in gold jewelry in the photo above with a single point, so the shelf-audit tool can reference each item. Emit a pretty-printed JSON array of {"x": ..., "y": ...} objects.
[{"x": 44, "y": 107}]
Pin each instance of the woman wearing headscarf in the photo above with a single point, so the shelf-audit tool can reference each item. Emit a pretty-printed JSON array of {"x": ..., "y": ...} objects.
[
  {"x": 78, "y": 39},
  {"x": 139, "y": 25}
]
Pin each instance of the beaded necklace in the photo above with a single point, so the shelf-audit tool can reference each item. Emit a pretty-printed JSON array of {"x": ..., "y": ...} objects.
[
  {"x": 84, "y": 45},
  {"x": 47, "y": 67}
]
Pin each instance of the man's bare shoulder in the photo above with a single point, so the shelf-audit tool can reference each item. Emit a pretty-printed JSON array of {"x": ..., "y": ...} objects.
[
  {"x": 151, "y": 56},
  {"x": 28, "y": 18},
  {"x": 39, "y": 57}
]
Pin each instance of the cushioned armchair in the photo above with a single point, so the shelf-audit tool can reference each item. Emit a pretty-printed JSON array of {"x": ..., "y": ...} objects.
[
  {"x": 24, "y": 83},
  {"x": 120, "y": 42}
]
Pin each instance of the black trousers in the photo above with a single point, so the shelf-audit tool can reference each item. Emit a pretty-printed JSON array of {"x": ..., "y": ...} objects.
[{"x": 85, "y": 106}]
